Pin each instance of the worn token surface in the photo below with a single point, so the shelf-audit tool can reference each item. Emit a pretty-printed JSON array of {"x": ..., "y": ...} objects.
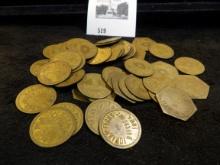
[
  {"x": 107, "y": 73},
  {"x": 161, "y": 50},
  {"x": 189, "y": 65},
  {"x": 54, "y": 72},
  {"x": 77, "y": 95},
  {"x": 97, "y": 109},
  {"x": 163, "y": 68},
  {"x": 35, "y": 67},
  {"x": 117, "y": 51},
  {"x": 102, "y": 55},
  {"x": 35, "y": 99},
  {"x": 143, "y": 43},
  {"x": 131, "y": 53},
  {"x": 120, "y": 129},
  {"x": 92, "y": 85},
  {"x": 76, "y": 112},
  {"x": 82, "y": 64},
  {"x": 139, "y": 67},
  {"x": 70, "y": 57},
  {"x": 136, "y": 87},
  {"x": 52, "y": 128},
  {"x": 51, "y": 50},
  {"x": 176, "y": 103},
  {"x": 107, "y": 41},
  {"x": 72, "y": 79},
  {"x": 192, "y": 85}
]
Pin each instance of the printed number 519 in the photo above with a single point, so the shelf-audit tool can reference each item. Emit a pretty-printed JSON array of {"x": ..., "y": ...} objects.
[{"x": 101, "y": 30}]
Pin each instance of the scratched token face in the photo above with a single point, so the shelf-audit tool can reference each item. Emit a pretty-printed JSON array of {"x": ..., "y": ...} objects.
[{"x": 120, "y": 129}]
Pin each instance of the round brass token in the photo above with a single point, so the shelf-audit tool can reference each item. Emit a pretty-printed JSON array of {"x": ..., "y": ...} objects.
[
  {"x": 131, "y": 53},
  {"x": 73, "y": 78},
  {"x": 83, "y": 46},
  {"x": 35, "y": 99},
  {"x": 139, "y": 67},
  {"x": 140, "y": 54},
  {"x": 51, "y": 50},
  {"x": 76, "y": 112},
  {"x": 79, "y": 96},
  {"x": 70, "y": 57},
  {"x": 176, "y": 103},
  {"x": 192, "y": 85},
  {"x": 136, "y": 87},
  {"x": 125, "y": 91},
  {"x": 52, "y": 128},
  {"x": 163, "y": 68},
  {"x": 153, "y": 96},
  {"x": 161, "y": 50},
  {"x": 82, "y": 64},
  {"x": 126, "y": 45},
  {"x": 156, "y": 83},
  {"x": 107, "y": 41},
  {"x": 189, "y": 65},
  {"x": 92, "y": 85},
  {"x": 106, "y": 73},
  {"x": 35, "y": 67},
  {"x": 102, "y": 55},
  {"x": 97, "y": 109},
  {"x": 143, "y": 43},
  {"x": 120, "y": 129},
  {"x": 117, "y": 51},
  {"x": 54, "y": 72}
]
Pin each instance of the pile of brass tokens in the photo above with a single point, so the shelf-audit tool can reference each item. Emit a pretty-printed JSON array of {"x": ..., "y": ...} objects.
[{"x": 138, "y": 81}]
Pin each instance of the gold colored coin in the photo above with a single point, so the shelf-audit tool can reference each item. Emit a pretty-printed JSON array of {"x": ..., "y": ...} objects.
[
  {"x": 136, "y": 87},
  {"x": 125, "y": 91},
  {"x": 161, "y": 50},
  {"x": 92, "y": 85},
  {"x": 103, "y": 55},
  {"x": 97, "y": 109},
  {"x": 131, "y": 53},
  {"x": 139, "y": 54},
  {"x": 153, "y": 96},
  {"x": 82, "y": 64},
  {"x": 82, "y": 46},
  {"x": 189, "y": 65},
  {"x": 176, "y": 103},
  {"x": 163, "y": 68},
  {"x": 139, "y": 67},
  {"x": 126, "y": 45},
  {"x": 35, "y": 98},
  {"x": 76, "y": 112},
  {"x": 115, "y": 85},
  {"x": 35, "y": 67},
  {"x": 117, "y": 51},
  {"x": 52, "y": 128},
  {"x": 73, "y": 78},
  {"x": 107, "y": 41},
  {"x": 70, "y": 57},
  {"x": 106, "y": 73},
  {"x": 120, "y": 129},
  {"x": 51, "y": 50},
  {"x": 192, "y": 85},
  {"x": 143, "y": 43},
  {"x": 79, "y": 96},
  {"x": 156, "y": 83},
  {"x": 54, "y": 72}
]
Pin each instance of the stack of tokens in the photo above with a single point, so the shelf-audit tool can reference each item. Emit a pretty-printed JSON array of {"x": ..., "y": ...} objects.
[
  {"x": 117, "y": 126},
  {"x": 173, "y": 87}
]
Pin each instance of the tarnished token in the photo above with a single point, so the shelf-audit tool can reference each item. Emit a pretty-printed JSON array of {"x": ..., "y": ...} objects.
[
  {"x": 161, "y": 50},
  {"x": 83, "y": 46},
  {"x": 52, "y": 128},
  {"x": 153, "y": 96},
  {"x": 92, "y": 85},
  {"x": 115, "y": 85},
  {"x": 131, "y": 53},
  {"x": 127, "y": 46},
  {"x": 35, "y": 98},
  {"x": 35, "y": 67},
  {"x": 120, "y": 129},
  {"x": 139, "y": 67},
  {"x": 73, "y": 78},
  {"x": 70, "y": 57},
  {"x": 51, "y": 50},
  {"x": 189, "y": 65},
  {"x": 82, "y": 64},
  {"x": 143, "y": 43},
  {"x": 156, "y": 83},
  {"x": 136, "y": 87},
  {"x": 107, "y": 73},
  {"x": 140, "y": 54},
  {"x": 117, "y": 51},
  {"x": 79, "y": 96},
  {"x": 176, "y": 103},
  {"x": 102, "y": 55},
  {"x": 76, "y": 112},
  {"x": 125, "y": 91},
  {"x": 54, "y": 72},
  {"x": 97, "y": 109},
  {"x": 107, "y": 41},
  {"x": 192, "y": 85},
  {"x": 163, "y": 68}
]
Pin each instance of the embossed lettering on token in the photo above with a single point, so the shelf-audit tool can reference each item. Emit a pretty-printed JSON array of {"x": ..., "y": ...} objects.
[{"x": 120, "y": 129}]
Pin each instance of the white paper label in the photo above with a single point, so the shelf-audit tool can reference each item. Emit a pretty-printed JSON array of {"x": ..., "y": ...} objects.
[{"x": 112, "y": 18}]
